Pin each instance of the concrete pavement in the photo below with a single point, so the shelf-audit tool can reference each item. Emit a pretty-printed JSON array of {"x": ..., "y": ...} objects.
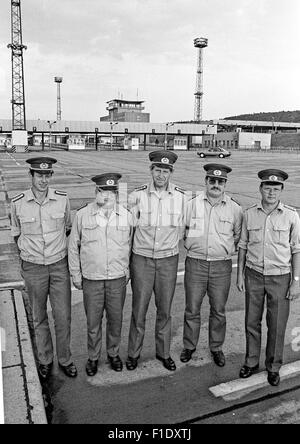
[
  {"x": 151, "y": 394},
  {"x": 22, "y": 393}
]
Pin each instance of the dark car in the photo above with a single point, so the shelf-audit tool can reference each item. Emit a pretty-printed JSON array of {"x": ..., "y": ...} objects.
[{"x": 214, "y": 152}]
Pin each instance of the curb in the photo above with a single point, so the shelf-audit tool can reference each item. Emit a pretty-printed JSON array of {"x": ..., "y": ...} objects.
[{"x": 35, "y": 396}]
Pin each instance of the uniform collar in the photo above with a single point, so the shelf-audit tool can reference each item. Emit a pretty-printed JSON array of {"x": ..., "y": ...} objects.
[
  {"x": 50, "y": 196},
  {"x": 280, "y": 206},
  {"x": 170, "y": 188},
  {"x": 95, "y": 209},
  {"x": 225, "y": 198}
]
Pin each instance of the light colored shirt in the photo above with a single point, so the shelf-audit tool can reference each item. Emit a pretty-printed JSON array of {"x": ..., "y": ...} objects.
[
  {"x": 158, "y": 219},
  {"x": 41, "y": 227},
  {"x": 212, "y": 231},
  {"x": 99, "y": 247},
  {"x": 270, "y": 239}
]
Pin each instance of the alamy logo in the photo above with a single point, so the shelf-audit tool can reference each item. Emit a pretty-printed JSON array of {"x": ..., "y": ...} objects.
[{"x": 296, "y": 339}]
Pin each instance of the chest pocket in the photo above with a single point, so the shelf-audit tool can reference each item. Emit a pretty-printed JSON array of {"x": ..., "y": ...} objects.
[
  {"x": 144, "y": 218},
  {"x": 255, "y": 233},
  {"x": 196, "y": 228},
  {"x": 30, "y": 225},
  {"x": 123, "y": 232},
  {"x": 225, "y": 225},
  {"x": 56, "y": 221},
  {"x": 174, "y": 218},
  {"x": 281, "y": 234},
  {"x": 90, "y": 233}
]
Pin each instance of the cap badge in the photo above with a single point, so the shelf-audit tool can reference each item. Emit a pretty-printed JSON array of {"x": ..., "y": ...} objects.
[
  {"x": 44, "y": 166},
  {"x": 273, "y": 178},
  {"x": 165, "y": 160},
  {"x": 217, "y": 173},
  {"x": 110, "y": 182}
]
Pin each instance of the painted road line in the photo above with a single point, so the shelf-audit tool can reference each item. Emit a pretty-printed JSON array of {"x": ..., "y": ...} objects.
[
  {"x": 18, "y": 285},
  {"x": 238, "y": 388},
  {"x": 1, "y": 381}
]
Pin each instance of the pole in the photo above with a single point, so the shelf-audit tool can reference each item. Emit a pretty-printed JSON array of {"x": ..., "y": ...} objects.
[
  {"x": 96, "y": 140},
  {"x": 1, "y": 381}
]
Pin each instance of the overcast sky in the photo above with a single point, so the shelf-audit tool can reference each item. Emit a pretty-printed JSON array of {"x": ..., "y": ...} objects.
[{"x": 144, "y": 48}]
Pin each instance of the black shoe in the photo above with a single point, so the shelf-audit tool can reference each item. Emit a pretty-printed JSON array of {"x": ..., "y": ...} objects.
[
  {"x": 132, "y": 363},
  {"x": 273, "y": 378},
  {"x": 168, "y": 363},
  {"x": 69, "y": 370},
  {"x": 45, "y": 370},
  {"x": 246, "y": 371},
  {"x": 115, "y": 363},
  {"x": 91, "y": 367},
  {"x": 219, "y": 358},
  {"x": 186, "y": 354}
]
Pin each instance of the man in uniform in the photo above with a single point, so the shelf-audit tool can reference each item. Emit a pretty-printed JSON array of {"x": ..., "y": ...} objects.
[
  {"x": 99, "y": 251},
  {"x": 268, "y": 268},
  {"x": 40, "y": 220},
  {"x": 214, "y": 223},
  {"x": 158, "y": 210}
]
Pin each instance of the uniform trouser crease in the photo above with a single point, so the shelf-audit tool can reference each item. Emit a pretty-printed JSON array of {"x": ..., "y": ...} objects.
[{"x": 148, "y": 275}]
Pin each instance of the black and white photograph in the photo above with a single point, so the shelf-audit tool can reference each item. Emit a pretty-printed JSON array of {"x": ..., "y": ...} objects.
[{"x": 149, "y": 215}]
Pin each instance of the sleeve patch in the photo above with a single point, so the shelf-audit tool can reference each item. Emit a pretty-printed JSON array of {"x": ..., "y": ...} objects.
[
  {"x": 18, "y": 197},
  {"x": 60, "y": 193}
]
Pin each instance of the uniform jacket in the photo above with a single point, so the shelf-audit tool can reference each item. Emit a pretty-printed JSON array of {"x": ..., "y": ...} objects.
[
  {"x": 158, "y": 219},
  {"x": 41, "y": 227},
  {"x": 99, "y": 248},
  {"x": 270, "y": 239},
  {"x": 212, "y": 231}
]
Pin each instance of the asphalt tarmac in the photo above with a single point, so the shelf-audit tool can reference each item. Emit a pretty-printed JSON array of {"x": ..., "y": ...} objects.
[{"x": 151, "y": 394}]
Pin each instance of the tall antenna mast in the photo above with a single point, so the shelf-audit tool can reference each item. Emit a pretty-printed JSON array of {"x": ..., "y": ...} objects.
[
  {"x": 58, "y": 81},
  {"x": 199, "y": 43},
  {"x": 17, "y": 47}
]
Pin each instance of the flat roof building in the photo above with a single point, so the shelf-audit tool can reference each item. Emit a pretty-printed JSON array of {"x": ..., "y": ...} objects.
[{"x": 125, "y": 111}]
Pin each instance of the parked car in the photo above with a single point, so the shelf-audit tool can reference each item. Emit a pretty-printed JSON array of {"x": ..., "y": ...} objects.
[{"x": 214, "y": 152}]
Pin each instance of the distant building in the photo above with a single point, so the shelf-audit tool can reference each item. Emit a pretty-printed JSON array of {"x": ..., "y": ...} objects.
[
  {"x": 125, "y": 111},
  {"x": 237, "y": 139}
]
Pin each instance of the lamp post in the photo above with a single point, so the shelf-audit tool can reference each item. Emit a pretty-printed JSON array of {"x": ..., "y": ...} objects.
[
  {"x": 112, "y": 124},
  {"x": 50, "y": 129},
  {"x": 166, "y": 133}
]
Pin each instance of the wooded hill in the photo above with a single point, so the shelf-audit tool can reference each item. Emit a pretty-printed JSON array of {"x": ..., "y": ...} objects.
[{"x": 280, "y": 116}]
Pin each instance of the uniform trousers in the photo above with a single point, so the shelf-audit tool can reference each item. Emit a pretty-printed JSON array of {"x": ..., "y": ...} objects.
[
  {"x": 108, "y": 295},
  {"x": 213, "y": 278},
  {"x": 54, "y": 281},
  {"x": 273, "y": 289},
  {"x": 148, "y": 275}
]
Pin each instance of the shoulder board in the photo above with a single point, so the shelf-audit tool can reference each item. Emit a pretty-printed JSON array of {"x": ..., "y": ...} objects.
[
  {"x": 60, "y": 193},
  {"x": 18, "y": 197},
  {"x": 290, "y": 208},
  {"x": 181, "y": 190},
  {"x": 235, "y": 201},
  {"x": 83, "y": 206},
  {"x": 252, "y": 206},
  {"x": 143, "y": 187}
]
